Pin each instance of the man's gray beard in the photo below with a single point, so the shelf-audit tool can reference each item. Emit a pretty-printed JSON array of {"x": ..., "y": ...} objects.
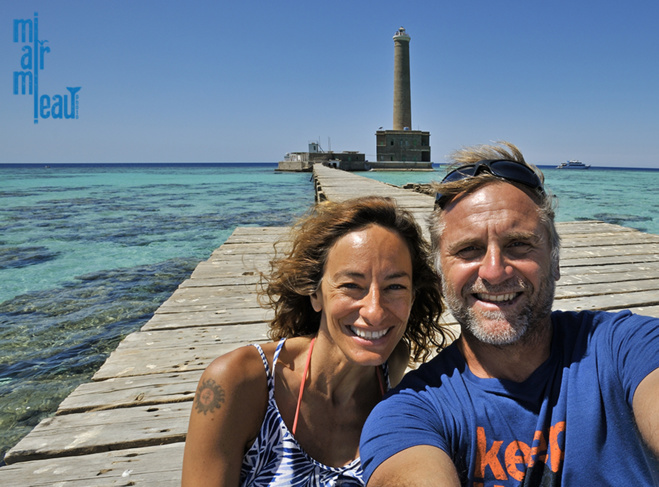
[{"x": 523, "y": 327}]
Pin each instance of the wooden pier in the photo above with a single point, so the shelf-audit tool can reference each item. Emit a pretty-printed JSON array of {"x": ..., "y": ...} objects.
[{"x": 127, "y": 426}]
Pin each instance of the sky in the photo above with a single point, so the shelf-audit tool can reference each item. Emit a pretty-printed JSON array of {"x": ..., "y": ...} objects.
[{"x": 249, "y": 81}]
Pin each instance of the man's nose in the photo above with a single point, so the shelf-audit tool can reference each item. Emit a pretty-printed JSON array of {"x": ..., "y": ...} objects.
[{"x": 494, "y": 268}]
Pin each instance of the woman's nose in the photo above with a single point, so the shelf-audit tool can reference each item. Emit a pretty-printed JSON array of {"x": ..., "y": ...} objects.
[{"x": 372, "y": 309}]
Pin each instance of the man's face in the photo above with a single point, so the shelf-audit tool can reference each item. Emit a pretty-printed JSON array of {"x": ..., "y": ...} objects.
[{"x": 496, "y": 266}]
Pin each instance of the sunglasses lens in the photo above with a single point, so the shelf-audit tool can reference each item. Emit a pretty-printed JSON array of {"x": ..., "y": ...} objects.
[
  {"x": 516, "y": 172},
  {"x": 460, "y": 173}
]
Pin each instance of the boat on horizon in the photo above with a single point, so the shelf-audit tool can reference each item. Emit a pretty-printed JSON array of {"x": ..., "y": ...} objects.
[{"x": 573, "y": 164}]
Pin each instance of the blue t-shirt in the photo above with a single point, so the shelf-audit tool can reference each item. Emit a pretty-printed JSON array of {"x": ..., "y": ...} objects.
[{"x": 570, "y": 423}]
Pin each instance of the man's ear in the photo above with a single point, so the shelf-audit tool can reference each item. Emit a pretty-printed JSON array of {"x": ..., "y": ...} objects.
[{"x": 557, "y": 271}]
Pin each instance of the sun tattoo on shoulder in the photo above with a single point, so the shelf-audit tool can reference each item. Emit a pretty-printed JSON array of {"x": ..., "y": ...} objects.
[{"x": 210, "y": 397}]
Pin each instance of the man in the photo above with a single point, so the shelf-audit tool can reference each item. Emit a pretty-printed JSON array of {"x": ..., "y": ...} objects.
[{"x": 525, "y": 397}]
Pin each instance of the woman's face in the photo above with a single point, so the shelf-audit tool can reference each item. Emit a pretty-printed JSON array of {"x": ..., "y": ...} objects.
[{"x": 366, "y": 294}]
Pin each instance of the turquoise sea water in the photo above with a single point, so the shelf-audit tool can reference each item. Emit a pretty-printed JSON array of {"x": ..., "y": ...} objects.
[{"x": 88, "y": 252}]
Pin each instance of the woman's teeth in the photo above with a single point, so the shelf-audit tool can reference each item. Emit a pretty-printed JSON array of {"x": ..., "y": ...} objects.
[{"x": 368, "y": 335}]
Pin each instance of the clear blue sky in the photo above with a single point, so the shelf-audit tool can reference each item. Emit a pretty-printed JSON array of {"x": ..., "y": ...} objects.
[{"x": 220, "y": 81}]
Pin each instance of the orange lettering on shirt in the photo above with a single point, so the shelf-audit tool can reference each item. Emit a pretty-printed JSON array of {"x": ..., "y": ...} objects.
[
  {"x": 513, "y": 459},
  {"x": 487, "y": 458},
  {"x": 539, "y": 448},
  {"x": 556, "y": 455}
]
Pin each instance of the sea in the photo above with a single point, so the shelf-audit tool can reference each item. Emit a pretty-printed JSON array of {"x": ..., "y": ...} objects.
[{"x": 88, "y": 252}]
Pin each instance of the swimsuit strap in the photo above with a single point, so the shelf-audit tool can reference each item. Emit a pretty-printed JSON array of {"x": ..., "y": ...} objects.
[
  {"x": 280, "y": 345},
  {"x": 270, "y": 376},
  {"x": 304, "y": 379}
]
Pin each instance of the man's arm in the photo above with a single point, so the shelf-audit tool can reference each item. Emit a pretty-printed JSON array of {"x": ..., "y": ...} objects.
[
  {"x": 646, "y": 410},
  {"x": 418, "y": 466}
]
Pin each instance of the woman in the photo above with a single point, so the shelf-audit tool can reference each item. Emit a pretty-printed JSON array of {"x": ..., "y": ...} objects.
[{"x": 353, "y": 296}]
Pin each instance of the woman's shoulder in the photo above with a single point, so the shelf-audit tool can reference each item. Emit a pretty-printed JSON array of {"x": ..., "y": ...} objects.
[{"x": 241, "y": 366}]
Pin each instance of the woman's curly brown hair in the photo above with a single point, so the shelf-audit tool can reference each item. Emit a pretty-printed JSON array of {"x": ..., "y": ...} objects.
[{"x": 296, "y": 276}]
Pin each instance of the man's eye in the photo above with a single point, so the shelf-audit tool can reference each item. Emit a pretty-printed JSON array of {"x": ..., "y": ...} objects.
[
  {"x": 520, "y": 246},
  {"x": 469, "y": 252}
]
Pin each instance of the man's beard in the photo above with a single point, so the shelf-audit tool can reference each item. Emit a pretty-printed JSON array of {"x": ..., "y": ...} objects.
[{"x": 524, "y": 326}]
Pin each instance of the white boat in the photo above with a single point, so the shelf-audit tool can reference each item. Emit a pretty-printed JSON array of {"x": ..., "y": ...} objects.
[{"x": 574, "y": 164}]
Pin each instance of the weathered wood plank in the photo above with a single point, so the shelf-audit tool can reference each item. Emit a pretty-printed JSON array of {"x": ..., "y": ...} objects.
[
  {"x": 148, "y": 466},
  {"x": 605, "y": 239},
  {"x": 607, "y": 288},
  {"x": 193, "y": 336},
  {"x": 99, "y": 431},
  {"x": 223, "y": 278},
  {"x": 642, "y": 310},
  {"x": 648, "y": 251},
  {"x": 131, "y": 362},
  {"x": 210, "y": 301},
  {"x": 585, "y": 227},
  {"x": 609, "y": 301},
  {"x": 183, "y": 295},
  {"x": 124, "y": 392},
  {"x": 222, "y": 316},
  {"x": 609, "y": 268},
  {"x": 613, "y": 273},
  {"x": 609, "y": 260}
]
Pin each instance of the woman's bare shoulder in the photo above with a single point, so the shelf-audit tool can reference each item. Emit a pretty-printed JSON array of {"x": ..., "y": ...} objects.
[
  {"x": 229, "y": 383},
  {"x": 227, "y": 412},
  {"x": 241, "y": 366}
]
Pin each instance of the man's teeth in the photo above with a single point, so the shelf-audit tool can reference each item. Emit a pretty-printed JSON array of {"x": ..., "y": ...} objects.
[
  {"x": 497, "y": 298},
  {"x": 369, "y": 335}
]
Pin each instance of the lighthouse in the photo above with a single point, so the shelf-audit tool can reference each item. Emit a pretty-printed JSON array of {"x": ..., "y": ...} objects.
[
  {"x": 402, "y": 147},
  {"x": 402, "y": 98}
]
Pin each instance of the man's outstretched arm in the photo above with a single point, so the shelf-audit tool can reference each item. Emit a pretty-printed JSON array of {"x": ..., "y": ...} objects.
[
  {"x": 646, "y": 410},
  {"x": 418, "y": 466}
]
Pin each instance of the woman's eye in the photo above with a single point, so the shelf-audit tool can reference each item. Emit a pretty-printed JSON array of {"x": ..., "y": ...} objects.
[{"x": 396, "y": 287}]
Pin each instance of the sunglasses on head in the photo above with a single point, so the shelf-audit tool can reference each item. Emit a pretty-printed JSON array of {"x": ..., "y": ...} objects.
[{"x": 501, "y": 168}]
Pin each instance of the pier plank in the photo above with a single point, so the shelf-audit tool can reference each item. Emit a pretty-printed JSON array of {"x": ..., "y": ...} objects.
[
  {"x": 638, "y": 267},
  {"x": 608, "y": 288},
  {"x": 148, "y": 466},
  {"x": 192, "y": 336},
  {"x": 649, "y": 251},
  {"x": 594, "y": 260},
  {"x": 132, "y": 362},
  {"x": 221, "y": 316},
  {"x": 98, "y": 431},
  {"x": 123, "y": 392}
]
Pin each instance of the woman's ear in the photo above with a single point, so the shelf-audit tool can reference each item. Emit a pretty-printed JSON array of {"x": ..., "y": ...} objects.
[{"x": 316, "y": 301}]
